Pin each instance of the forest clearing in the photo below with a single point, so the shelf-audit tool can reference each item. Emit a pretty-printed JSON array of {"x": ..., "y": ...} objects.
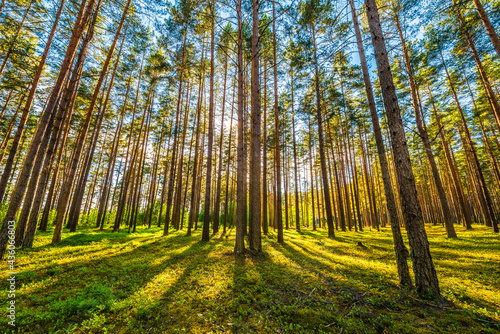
[
  {"x": 104, "y": 282},
  {"x": 249, "y": 166}
]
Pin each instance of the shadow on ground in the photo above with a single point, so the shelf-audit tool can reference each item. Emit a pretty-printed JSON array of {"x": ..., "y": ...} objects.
[{"x": 99, "y": 281}]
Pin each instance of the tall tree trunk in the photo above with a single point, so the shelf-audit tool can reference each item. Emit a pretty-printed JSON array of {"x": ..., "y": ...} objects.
[
  {"x": 369, "y": 190},
  {"x": 279, "y": 218},
  {"x": 493, "y": 161},
  {"x": 239, "y": 246},
  {"x": 154, "y": 190},
  {"x": 65, "y": 111},
  {"x": 165, "y": 172},
  {"x": 137, "y": 158},
  {"x": 425, "y": 274},
  {"x": 456, "y": 180},
  {"x": 487, "y": 25},
  {"x": 77, "y": 202},
  {"x": 285, "y": 177},
  {"x": 311, "y": 171},
  {"x": 176, "y": 214},
  {"x": 200, "y": 168},
  {"x": 228, "y": 169},
  {"x": 449, "y": 220},
  {"x": 136, "y": 191},
  {"x": 50, "y": 196},
  {"x": 219, "y": 169},
  {"x": 354, "y": 181},
  {"x": 6, "y": 104},
  {"x": 265, "y": 222},
  {"x": 255, "y": 159},
  {"x": 6, "y": 139},
  {"x": 67, "y": 186},
  {"x": 14, "y": 40},
  {"x": 45, "y": 160},
  {"x": 127, "y": 168},
  {"x": 91, "y": 192},
  {"x": 171, "y": 180},
  {"x": 66, "y": 106},
  {"x": 326, "y": 187},
  {"x": 30, "y": 193},
  {"x": 186, "y": 183},
  {"x": 192, "y": 210},
  {"x": 483, "y": 192},
  {"x": 43, "y": 125},
  {"x": 103, "y": 202},
  {"x": 495, "y": 106},
  {"x": 29, "y": 100},
  {"x": 295, "y": 168},
  {"x": 208, "y": 185}
]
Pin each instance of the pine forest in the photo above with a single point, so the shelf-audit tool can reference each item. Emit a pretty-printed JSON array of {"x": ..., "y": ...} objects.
[{"x": 249, "y": 166}]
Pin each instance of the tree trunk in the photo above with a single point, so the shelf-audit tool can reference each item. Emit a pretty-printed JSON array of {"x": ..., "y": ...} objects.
[
  {"x": 29, "y": 100},
  {"x": 456, "y": 180},
  {"x": 483, "y": 193},
  {"x": 103, "y": 202},
  {"x": 228, "y": 169},
  {"x": 219, "y": 169},
  {"x": 122, "y": 198},
  {"x": 66, "y": 106},
  {"x": 425, "y": 274},
  {"x": 175, "y": 144},
  {"x": 33, "y": 200},
  {"x": 6, "y": 104},
  {"x": 265, "y": 222},
  {"x": 239, "y": 246},
  {"x": 493, "y": 161},
  {"x": 312, "y": 178},
  {"x": 6, "y": 139},
  {"x": 38, "y": 138},
  {"x": 165, "y": 172},
  {"x": 176, "y": 214},
  {"x": 192, "y": 210},
  {"x": 326, "y": 187},
  {"x": 67, "y": 186},
  {"x": 295, "y": 168},
  {"x": 208, "y": 185},
  {"x": 487, "y": 25},
  {"x": 279, "y": 219},
  {"x": 285, "y": 176},
  {"x": 449, "y": 220},
  {"x": 30, "y": 193},
  {"x": 14, "y": 40},
  {"x": 137, "y": 158},
  {"x": 255, "y": 159},
  {"x": 76, "y": 204},
  {"x": 495, "y": 106}
]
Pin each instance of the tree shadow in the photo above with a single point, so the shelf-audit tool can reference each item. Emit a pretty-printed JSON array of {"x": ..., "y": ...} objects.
[
  {"x": 119, "y": 275},
  {"x": 355, "y": 285},
  {"x": 150, "y": 283},
  {"x": 168, "y": 303}
]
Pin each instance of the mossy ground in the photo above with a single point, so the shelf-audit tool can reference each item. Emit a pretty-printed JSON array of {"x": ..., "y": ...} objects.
[{"x": 104, "y": 282}]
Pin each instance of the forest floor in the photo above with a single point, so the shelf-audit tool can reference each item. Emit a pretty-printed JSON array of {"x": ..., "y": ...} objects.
[{"x": 104, "y": 282}]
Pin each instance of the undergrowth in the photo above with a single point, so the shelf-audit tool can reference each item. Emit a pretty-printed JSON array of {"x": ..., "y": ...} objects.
[{"x": 104, "y": 282}]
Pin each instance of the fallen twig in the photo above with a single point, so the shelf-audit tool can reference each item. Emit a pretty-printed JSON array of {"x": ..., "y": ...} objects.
[
  {"x": 488, "y": 322},
  {"x": 429, "y": 304}
]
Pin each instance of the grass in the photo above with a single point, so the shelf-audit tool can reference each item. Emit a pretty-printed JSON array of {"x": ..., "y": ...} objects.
[{"x": 103, "y": 282}]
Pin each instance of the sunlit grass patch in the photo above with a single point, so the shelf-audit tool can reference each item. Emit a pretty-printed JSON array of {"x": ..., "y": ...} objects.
[{"x": 99, "y": 281}]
